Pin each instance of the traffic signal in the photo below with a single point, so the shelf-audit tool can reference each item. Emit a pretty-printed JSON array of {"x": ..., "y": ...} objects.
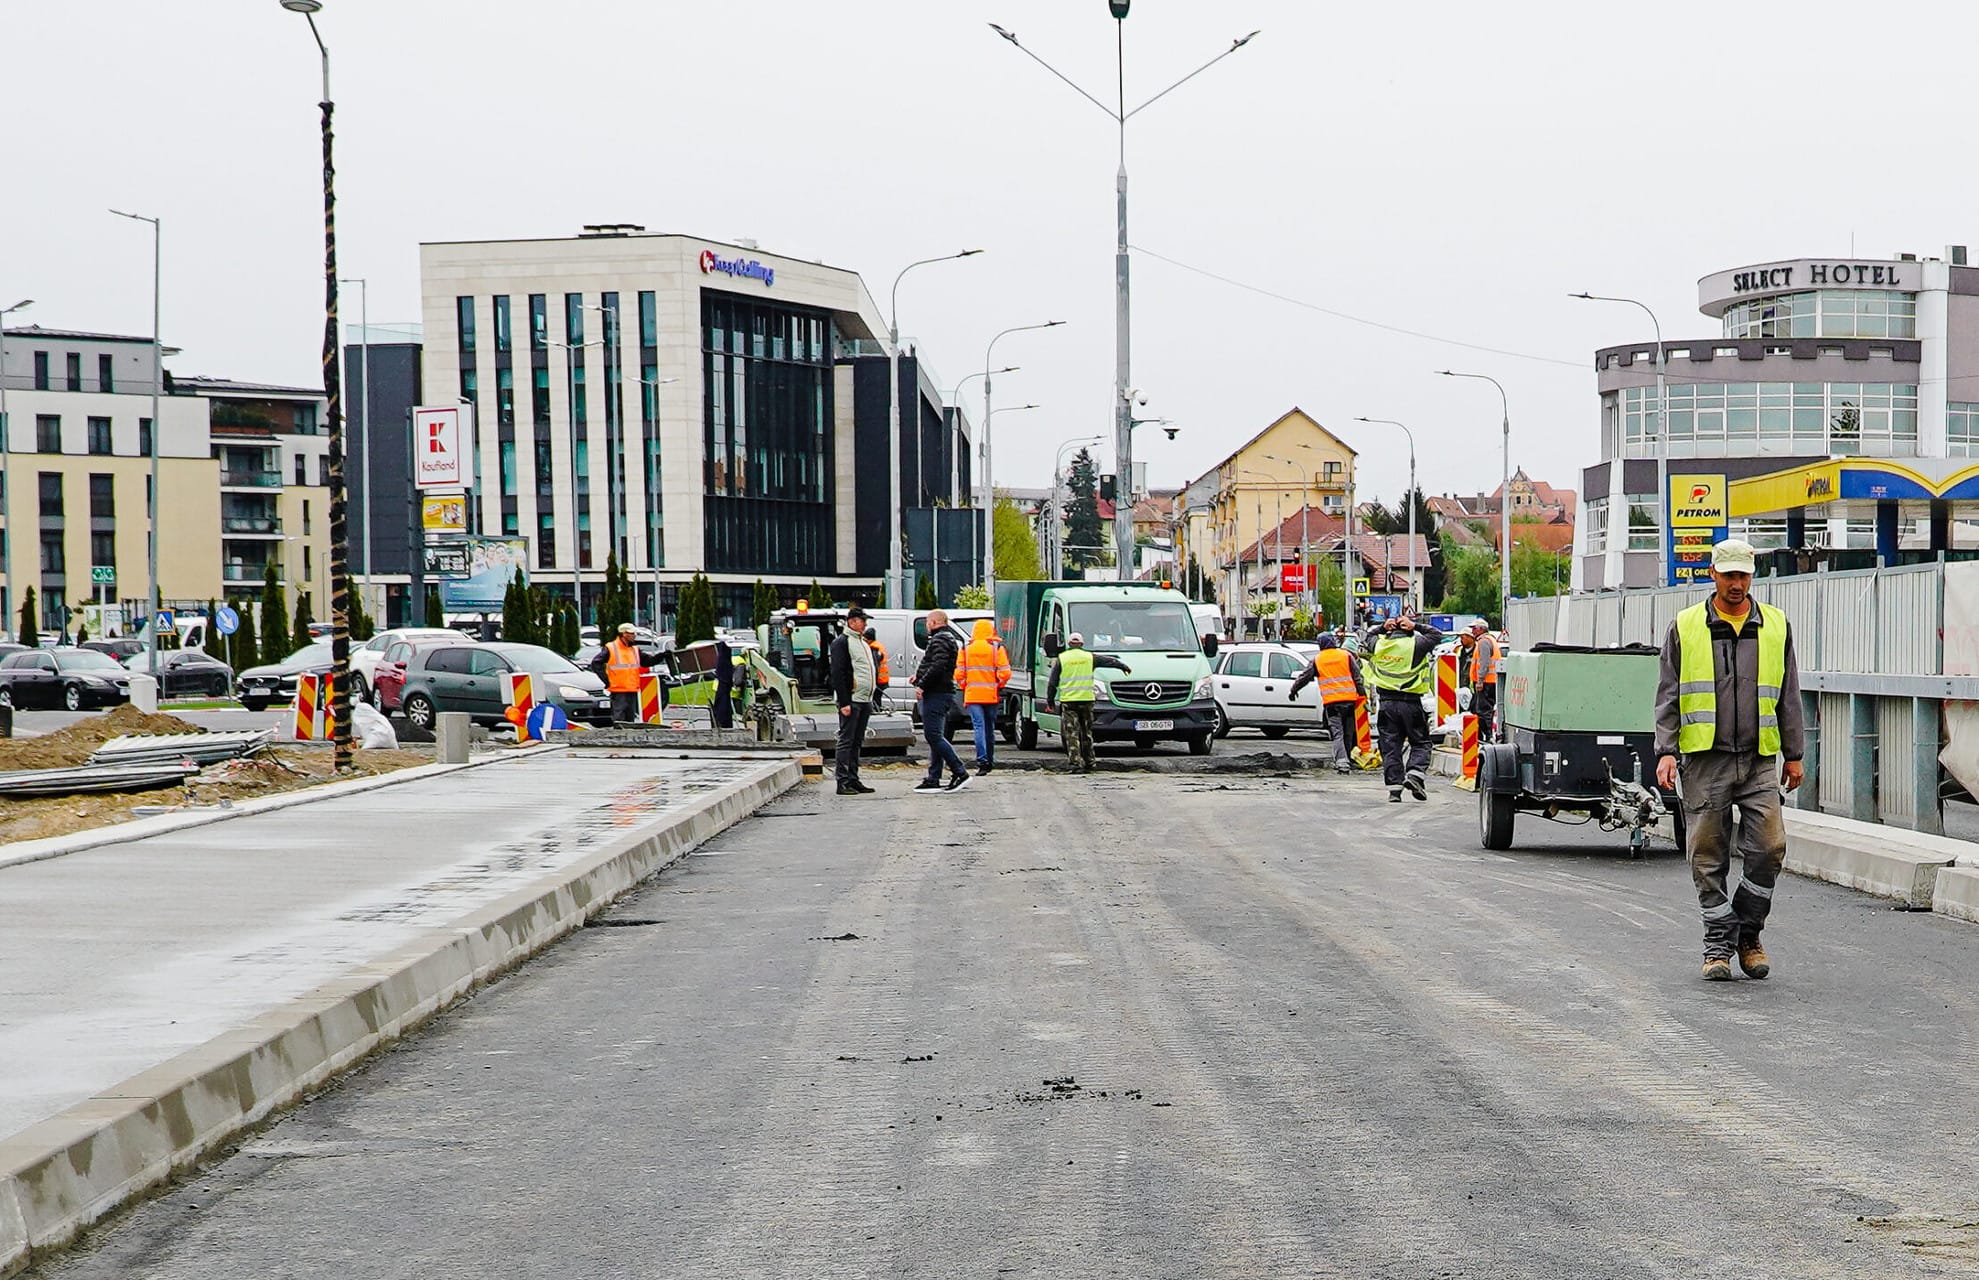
[{"x": 1108, "y": 488}]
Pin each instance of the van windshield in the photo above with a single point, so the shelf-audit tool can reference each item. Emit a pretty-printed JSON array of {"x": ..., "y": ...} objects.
[{"x": 1128, "y": 626}]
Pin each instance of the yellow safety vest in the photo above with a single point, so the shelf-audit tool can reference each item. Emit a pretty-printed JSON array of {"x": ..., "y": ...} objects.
[
  {"x": 1697, "y": 678},
  {"x": 1395, "y": 667},
  {"x": 1075, "y": 676}
]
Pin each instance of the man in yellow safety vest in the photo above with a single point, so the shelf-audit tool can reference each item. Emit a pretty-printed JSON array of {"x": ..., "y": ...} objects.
[
  {"x": 1728, "y": 733},
  {"x": 1072, "y": 691},
  {"x": 1399, "y": 654}
]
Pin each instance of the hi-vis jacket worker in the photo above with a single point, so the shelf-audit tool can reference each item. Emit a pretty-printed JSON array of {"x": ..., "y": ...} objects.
[
  {"x": 984, "y": 670},
  {"x": 1399, "y": 654},
  {"x": 621, "y": 665},
  {"x": 1729, "y": 733},
  {"x": 1340, "y": 691},
  {"x": 1487, "y": 660}
]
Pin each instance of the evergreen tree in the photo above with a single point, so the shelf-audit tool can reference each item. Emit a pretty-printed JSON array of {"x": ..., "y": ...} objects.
[
  {"x": 214, "y": 640},
  {"x": 1085, "y": 533},
  {"x": 818, "y": 596},
  {"x": 697, "y": 613},
  {"x": 924, "y": 593},
  {"x": 245, "y": 652},
  {"x": 299, "y": 636},
  {"x": 30, "y": 635},
  {"x": 514, "y": 625},
  {"x": 1017, "y": 558},
  {"x": 613, "y": 604},
  {"x": 435, "y": 616},
  {"x": 762, "y": 605},
  {"x": 568, "y": 639},
  {"x": 274, "y": 614},
  {"x": 1197, "y": 585},
  {"x": 360, "y": 622}
]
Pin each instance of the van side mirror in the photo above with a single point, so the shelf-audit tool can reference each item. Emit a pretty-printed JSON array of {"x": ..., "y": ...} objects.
[
  {"x": 1052, "y": 645},
  {"x": 1209, "y": 645}
]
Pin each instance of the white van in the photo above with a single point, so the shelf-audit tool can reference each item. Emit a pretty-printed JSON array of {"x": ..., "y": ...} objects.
[{"x": 904, "y": 633}]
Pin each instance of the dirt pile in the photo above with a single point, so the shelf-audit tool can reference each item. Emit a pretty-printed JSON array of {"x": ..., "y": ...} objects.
[{"x": 67, "y": 748}]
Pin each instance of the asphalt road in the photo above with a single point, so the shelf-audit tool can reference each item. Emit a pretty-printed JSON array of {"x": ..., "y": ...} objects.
[{"x": 1140, "y": 1026}]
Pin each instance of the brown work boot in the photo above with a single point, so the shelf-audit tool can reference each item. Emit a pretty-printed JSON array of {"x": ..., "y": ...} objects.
[
  {"x": 1752, "y": 959},
  {"x": 1717, "y": 969}
]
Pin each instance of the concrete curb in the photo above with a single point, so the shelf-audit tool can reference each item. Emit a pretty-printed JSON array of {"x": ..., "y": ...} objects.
[
  {"x": 25, "y": 851},
  {"x": 1889, "y": 862},
  {"x": 59, "y": 1176},
  {"x": 1957, "y": 894}
]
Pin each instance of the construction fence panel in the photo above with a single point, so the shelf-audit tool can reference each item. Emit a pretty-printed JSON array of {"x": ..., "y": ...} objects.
[
  {"x": 1800, "y": 599},
  {"x": 1896, "y": 803},
  {"x": 1910, "y": 621},
  {"x": 1851, "y": 627},
  {"x": 1837, "y": 747}
]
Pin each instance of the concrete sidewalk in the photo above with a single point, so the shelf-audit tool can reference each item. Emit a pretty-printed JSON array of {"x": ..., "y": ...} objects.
[{"x": 160, "y": 994}]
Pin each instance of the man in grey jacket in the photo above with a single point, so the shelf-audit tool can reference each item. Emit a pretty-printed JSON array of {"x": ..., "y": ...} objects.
[
  {"x": 1729, "y": 731},
  {"x": 854, "y": 678}
]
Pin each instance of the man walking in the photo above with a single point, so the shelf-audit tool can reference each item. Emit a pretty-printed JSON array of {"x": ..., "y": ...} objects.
[
  {"x": 985, "y": 670},
  {"x": 622, "y": 664},
  {"x": 1728, "y": 730},
  {"x": 854, "y": 677},
  {"x": 1400, "y": 654},
  {"x": 1070, "y": 689},
  {"x": 935, "y": 678},
  {"x": 1487, "y": 659},
  {"x": 1340, "y": 691}
]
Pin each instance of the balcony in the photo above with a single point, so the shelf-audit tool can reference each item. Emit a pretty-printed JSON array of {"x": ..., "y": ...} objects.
[
  {"x": 251, "y": 479},
  {"x": 237, "y": 572},
  {"x": 250, "y": 526}
]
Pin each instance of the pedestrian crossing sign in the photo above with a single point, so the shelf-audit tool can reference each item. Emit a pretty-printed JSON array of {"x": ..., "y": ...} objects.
[{"x": 1362, "y": 588}]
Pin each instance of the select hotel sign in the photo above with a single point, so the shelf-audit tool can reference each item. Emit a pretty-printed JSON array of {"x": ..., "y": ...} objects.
[
  {"x": 439, "y": 448},
  {"x": 1805, "y": 274},
  {"x": 713, "y": 263}
]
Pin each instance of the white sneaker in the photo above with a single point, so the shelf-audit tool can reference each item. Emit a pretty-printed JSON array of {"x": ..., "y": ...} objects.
[{"x": 928, "y": 787}]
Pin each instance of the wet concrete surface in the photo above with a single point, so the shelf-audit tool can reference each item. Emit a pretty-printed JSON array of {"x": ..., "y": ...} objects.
[{"x": 1140, "y": 1026}]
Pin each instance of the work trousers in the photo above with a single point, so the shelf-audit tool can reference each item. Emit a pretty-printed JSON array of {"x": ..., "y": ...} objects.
[
  {"x": 851, "y": 737},
  {"x": 1340, "y": 723},
  {"x": 935, "y": 708},
  {"x": 983, "y": 716},
  {"x": 625, "y": 707},
  {"x": 1076, "y": 727},
  {"x": 1484, "y": 703},
  {"x": 1403, "y": 720},
  {"x": 1712, "y": 784}
]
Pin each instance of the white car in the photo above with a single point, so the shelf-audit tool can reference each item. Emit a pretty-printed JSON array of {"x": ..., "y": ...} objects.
[
  {"x": 1252, "y": 681},
  {"x": 364, "y": 659}
]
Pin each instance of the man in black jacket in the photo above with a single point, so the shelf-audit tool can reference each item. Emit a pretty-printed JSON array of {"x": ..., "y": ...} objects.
[
  {"x": 854, "y": 678},
  {"x": 935, "y": 679}
]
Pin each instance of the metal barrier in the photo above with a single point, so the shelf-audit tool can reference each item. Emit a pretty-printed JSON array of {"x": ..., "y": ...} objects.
[{"x": 1870, "y": 644}]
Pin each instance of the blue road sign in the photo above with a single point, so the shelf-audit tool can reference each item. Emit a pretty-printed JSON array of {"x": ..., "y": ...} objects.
[
  {"x": 225, "y": 620},
  {"x": 166, "y": 621}
]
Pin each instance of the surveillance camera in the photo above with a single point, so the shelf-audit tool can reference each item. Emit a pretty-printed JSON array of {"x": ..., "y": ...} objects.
[
  {"x": 1171, "y": 431},
  {"x": 1140, "y": 400}
]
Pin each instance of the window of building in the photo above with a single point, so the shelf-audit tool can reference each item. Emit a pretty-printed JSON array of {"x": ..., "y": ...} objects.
[
  {"x": 102, "y": 498},
  {"x": 573, "y": 321},
  {"x": 72, "y": 368},
  {"x": 1765, "y": 534},
  {"x": 464, "y": 324},
  {"x": 1962, "y": 429},
  {"x": 52, "y": 560},
  {"x": 1825, "y": 313},
  {"x": 106, "y": 377},
  {"x": 546, "y": 541},
  {"x": 99, "y": 436},
  {"x": 539, "y": 397},
  {"x": 505, "y": 398},
  {"x": 149, "y": 507},
  {"x": 301, "y": 469},
  {"x": 539, "y": 322},
  {"x": 1594, "y": 519},
  {"x": 48, "y": 432},
  {"x": 545, "y": 479},
  {"x": 49, "y": 484},
  {"x": 508, "y": 468},
  {"x": 305, "y": 516},
  {"x": 303, "y": 418},
  {"x": 511, "y": 523},
  {"x": 144, "y": 437},
  {"x": 308, "y": 562},
  {"x": 502, "y": 334},
  {"x": 649, "y": 319},
  {"x": 1645, "y": 515},
  {"x": 1736, "y": 418},
  {"x": 103, "y": 549},
  {"x": 41, "y": 371}
]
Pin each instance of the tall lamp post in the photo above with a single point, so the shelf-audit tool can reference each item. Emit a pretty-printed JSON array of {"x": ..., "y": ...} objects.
[
  {"x": 1504, "y": 498},
  {"x": 896, "y": 575},
  {"x": 1123, "y": 433},
  {"x": 7, "y": 541},
  {"x": 1662, "y": 454},
  {"x": 1058, "y": 507},
  {"x": 156, "y": 603},
  {"x": 653, "y": 534},
  {"x": 988, "y": 500},
  {"x": 333, "y": 394},
  {"x": 955, "y": 401},
  {"x": 1415, "y": 591}
]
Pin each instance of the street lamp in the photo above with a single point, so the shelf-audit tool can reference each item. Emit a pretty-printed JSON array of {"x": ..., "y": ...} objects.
[
  {"x": 157, "y": 504},
  {"x": 1504, "y": 494},
  {"x": 1415, "y": 592},
  {"x": 896, "y": 575},
  {"x": 653, "y": 534},
  {"x": 7, "y": 541},
  {"x": 1662, "y": 456},
  {"x": 333, "y": 394},
  {"x": 1123, "y": 434},
  {"x": 988, "y": 502},
  {"x": 1057, "y": 507}
]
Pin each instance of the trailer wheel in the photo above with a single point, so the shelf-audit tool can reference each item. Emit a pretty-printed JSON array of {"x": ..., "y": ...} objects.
[
  {"x": 1494, "y": 815},
  {"x": 1027, "y": 733}
]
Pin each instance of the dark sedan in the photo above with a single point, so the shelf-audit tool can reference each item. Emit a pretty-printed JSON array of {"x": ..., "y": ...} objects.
[
  {"x": 260, "y": 687},
  {"x": 121, "y": 648},
  {"x": 68, "y": 678},
  {"x": 184, "y": 672}
]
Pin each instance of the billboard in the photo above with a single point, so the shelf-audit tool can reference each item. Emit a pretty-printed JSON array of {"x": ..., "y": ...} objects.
[
  {"x": 1291, "y": 578},
  {"x": 439, "y": 446},
  {"x": 492, "y": 563},
  {"x": 443, "y": 512},
  {"x": 1697, "y": 513}
]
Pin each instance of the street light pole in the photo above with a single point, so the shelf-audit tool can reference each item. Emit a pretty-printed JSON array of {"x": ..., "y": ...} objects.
[
  {"x": 7, "y": 541},
  {"x": 1123, "y": 431},
  {"x": 1057, "y": 507},
  {"x": 895, "y": 571},
  {"x": 334, "y": 396},
  {"x": 988, "y": 500},
  {"x": 1415, "y": 593},
  {"x": 157, "y": 504},
  {"x": 1662, "y": 507},
  {"x": 1505, "y": 494}
]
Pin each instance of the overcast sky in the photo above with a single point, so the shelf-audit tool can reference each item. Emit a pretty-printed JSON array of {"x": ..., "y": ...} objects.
[{"x": 1450, "y": 168}]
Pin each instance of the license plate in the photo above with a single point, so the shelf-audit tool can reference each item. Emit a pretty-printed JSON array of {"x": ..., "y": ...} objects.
[{"x": 1153, "y": 726}]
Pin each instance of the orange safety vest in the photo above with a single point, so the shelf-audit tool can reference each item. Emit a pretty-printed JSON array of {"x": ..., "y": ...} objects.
[
  {"x": 880, "y": 678},
  {"x": 1487, "y": 660},
  {"x": 622, "y": 669},
  {"x": 984, "y": 670},
  {"x": 1336, "y": 677}
]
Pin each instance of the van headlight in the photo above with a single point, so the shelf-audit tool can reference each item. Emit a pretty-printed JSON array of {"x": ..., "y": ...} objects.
[
  {"x": 1205, "y": 687},
  {"x": 1102, "y": 692},
  {"x": 573, "y": 693}
]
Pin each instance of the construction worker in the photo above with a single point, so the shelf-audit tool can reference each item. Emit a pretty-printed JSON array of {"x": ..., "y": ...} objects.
[
  {"x": 1729, "y": 733},
  {"x": 881, "y": 677},
  {"x": 984, "y": 670},
  {"x": 1340, "y": 691},
  {"x": 1070, "y": 689},
  {"x": 1487, "y": 659},
  {"x": 1400, "y": 654},
  {"x": 622, "y": 664},
  {"x": 854, "y": 676}
]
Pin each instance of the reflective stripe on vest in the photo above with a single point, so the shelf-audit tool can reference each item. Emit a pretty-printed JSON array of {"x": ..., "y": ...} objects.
[
  {"x": 1395, "y": 667},
  {"x": 982, "y": 672},
  {"x": 621, "y": 667},
  {"x": 1336, "y": 676},
  {"x": 1697, "y": 678},
  {"x": 1493, "y": 663},
  {"x": 1075, "y": 676}
]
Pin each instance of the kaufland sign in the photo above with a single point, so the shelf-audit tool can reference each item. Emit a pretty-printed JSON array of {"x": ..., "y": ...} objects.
[{"x": 439, "y": 448}]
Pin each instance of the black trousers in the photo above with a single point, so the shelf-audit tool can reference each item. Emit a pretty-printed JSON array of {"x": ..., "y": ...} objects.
[
  {"x": 851, "y": 737},
  {"x": 1340, "y": 720},
  {"x": 1403, "y": 721},
  {"x": 625, "y": 707},
  {"x": 1484, "y": 705}
]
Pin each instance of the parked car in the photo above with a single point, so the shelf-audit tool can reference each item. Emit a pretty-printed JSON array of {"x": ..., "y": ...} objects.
[
  {"x": 468, "y": 677},
  {"x": 68, "y": 678},
  {"x": 365, "y": 658},
  {"x": 261, "y": 687},
  {"x": 185, "y": 671},
  {"x": 8, "y": 649},
  {"x": 388, "y": 679},
  {"x": 120, "y": 648},
  {"x": 1252, "y": 680}
]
